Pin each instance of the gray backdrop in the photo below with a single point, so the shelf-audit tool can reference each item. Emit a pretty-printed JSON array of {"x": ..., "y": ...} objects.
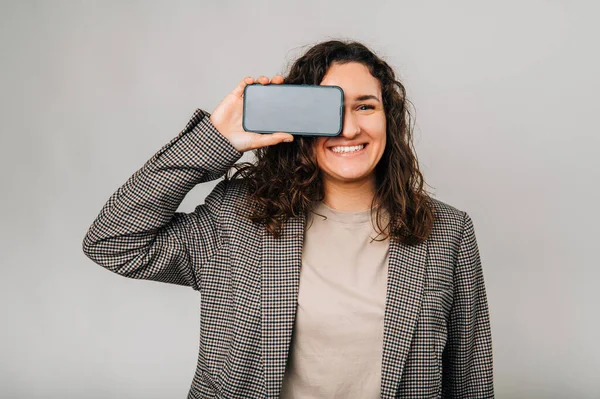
[{"x": 506, "y": 94}]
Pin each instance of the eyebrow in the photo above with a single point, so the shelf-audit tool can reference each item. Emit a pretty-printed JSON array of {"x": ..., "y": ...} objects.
[{"x": 366, "y": 97}]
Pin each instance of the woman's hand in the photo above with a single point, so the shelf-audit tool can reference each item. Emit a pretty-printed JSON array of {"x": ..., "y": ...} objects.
[{"x": 227, "y": 118}]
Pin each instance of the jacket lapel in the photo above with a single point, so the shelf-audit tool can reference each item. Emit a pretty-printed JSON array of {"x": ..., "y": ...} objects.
[
  {"x": 406, "y": 274},
  {"x": 281, "y": 261}
]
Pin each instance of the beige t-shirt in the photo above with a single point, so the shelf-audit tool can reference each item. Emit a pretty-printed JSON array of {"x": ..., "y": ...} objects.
[{"x": 337, "y": 343}]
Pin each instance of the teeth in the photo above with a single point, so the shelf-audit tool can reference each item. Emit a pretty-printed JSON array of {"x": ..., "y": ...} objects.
[{"x": 348, "y": 148}]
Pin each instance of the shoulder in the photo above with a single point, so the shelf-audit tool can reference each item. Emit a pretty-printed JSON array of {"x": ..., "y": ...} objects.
[
  {"x": 229, "y": 197},
  {"x": 449, "y": 222},
  {"x": 235, "y": 189},
  {"x": 446, "y": 213}
]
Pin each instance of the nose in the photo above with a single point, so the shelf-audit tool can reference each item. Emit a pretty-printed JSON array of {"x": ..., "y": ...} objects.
[{"x": 350, "y": 128}]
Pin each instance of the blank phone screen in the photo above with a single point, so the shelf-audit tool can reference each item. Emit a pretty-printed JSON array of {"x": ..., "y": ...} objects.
[{"x": 296, "y": 109}]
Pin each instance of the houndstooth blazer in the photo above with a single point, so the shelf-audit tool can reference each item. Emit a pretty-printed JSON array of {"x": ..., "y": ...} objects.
[{"x": 437, "y": 340}]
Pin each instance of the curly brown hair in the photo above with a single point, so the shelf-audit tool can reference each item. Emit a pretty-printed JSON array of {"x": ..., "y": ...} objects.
[{"x": 285, "y": 180}]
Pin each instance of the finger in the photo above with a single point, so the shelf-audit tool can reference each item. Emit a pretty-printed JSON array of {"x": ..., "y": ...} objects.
[
  {"x": 277, "y": 79},
  {"x": 263, "y": 80},
  {"x": 264, "y": 140},
  {"x": 239, "y": 89}
]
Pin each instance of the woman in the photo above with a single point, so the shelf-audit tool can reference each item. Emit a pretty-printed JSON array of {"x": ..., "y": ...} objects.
[{"x": 324, "y": 268}]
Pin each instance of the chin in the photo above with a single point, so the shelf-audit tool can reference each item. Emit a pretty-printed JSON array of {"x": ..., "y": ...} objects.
[{"x": 351, "y": 177}]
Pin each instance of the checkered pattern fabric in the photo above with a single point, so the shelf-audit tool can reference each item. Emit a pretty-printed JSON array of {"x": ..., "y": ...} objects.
[{"x": 437, "y": 340}]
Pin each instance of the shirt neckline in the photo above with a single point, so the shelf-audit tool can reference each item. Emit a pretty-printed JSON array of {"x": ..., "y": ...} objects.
[{"x": 347, "y": 217}]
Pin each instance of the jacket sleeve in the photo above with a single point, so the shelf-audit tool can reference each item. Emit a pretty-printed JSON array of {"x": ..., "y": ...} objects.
[
  {"x": 138, "y": 233},
  {"x": 467, "y": 358}
]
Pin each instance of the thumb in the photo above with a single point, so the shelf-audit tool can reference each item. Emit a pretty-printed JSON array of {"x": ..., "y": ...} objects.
[{"x": 275, "y": 138}]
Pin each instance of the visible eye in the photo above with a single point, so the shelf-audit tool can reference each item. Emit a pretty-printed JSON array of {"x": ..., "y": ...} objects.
[{"x": 365, "y": 107}]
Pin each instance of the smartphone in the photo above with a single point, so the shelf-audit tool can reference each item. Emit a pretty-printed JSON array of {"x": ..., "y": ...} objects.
[{"x": 309, "y": 110}]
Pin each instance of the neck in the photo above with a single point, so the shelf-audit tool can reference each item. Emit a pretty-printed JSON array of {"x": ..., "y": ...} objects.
[{"x": 349, "y": 197}]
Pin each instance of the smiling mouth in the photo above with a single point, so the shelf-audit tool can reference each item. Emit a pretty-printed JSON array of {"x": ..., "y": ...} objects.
[{"x": 347, "y": 149}]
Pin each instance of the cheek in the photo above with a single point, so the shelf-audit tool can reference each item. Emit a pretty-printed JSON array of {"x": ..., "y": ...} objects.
[
  {"x": 318, "y": 147},
  {"x": 373, "y": 122},
  {"x": 380, "y": 137},
  {"x": 318, "y": 143},
  {"x": 377, "y": 129}
]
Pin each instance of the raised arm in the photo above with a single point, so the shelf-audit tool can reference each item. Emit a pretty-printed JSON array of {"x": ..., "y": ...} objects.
[{"x": 138, "y": 233}]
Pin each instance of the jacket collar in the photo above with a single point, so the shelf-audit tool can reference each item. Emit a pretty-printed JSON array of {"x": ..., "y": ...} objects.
[{"x": 281, "y": 262}]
